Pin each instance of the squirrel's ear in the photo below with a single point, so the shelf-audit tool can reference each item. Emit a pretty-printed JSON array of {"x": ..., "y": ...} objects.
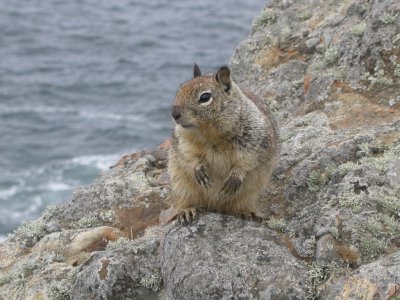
[
  {"x": 196, "y": 71},
  {"x": 224, "y": 78}
]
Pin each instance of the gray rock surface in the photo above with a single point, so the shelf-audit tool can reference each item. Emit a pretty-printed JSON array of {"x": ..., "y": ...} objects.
[
  {"x": 330, "y": 71},
  {"x": 127, "y": 269},
  {"x": 207, "y": 258},
  {"x": 377, "y": 280}
]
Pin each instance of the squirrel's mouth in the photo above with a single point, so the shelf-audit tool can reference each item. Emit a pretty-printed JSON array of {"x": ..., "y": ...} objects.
[{"x": 186, "y": 126}]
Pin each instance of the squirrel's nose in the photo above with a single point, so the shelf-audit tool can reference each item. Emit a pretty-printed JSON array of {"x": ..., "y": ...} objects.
[{"x": 176, "y": 112}]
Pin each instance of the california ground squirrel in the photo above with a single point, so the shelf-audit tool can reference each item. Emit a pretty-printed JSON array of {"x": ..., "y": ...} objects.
[{"x": 224, "y": 147}]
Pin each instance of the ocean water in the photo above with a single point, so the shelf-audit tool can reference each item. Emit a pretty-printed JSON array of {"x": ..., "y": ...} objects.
[{"x": 84, "y": 81}]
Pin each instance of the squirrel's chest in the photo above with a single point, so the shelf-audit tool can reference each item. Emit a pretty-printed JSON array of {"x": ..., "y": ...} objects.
[{"x": 219, "y": 158}]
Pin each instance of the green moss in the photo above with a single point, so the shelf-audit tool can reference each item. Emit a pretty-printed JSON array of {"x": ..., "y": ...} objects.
[
  {"x": 349, "y": 199},
  {"x": 391, "y": 225},
  {"x": 118, "y": 243},
  {"x": 5, "y": 278},
  {"x": 370, "y": 247},
  {"x": 378, "y": 77},
  {"x": 286, "y": 32},
  {"x": 273, "y": 105},
  {"x": 376, "y": 156},
  {"x": 329, "y": 170},
  {"x": 317, "y": 179},
  {"x": 298, "y": 83},
  {"x": 319, "y": 63},
  {"x": 58, "y": 291},
  {"x": 364, "y": 150},
  {"x": 304, "y": 16},
  {"x": 48, "y": 211},
  {"x": 382, "y": 81},
  {"x": 152, "y": 281},
  {"x": 152, "y": 182},
  {"x": 87, "y": 222},
  {"x": 107, "y": 216},
  {"x": 309, "y": 246},
  {"x": 314, "y": 181},
  {"x": 389, "y": 202},
  {"x": 331, "y": 55},
  {"x": 374, "y": 227},
  {"x": 335, "y": 232},
  {"x": 277, "y": 224},
  {"x": 317, "y": 275},
  {"x": 348, "y": 167},
  {"x": 388, "y": 18},
  {"x": 339, "y": 73},
  {"x": 279, "y": 177},
  {"x": 267, "y": 17},
  {"x": 372, "y": 237},
  {"x": 29, "y": 233},
  {"x": 378, "y": 163},
  {"x": 24, "y": 270},
  {"x": 55, "y": 257},
  {"x": 358, "y": 30},
  {"x": 396, "y": 70}
]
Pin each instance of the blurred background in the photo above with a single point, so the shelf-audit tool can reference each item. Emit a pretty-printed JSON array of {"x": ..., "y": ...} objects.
[{"x": 83, "y": 82}]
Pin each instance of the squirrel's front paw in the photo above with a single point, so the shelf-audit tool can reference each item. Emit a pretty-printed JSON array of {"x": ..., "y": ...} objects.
[
  {"x": 202, "y": 176},
  {"x": 232, "y": 184}
]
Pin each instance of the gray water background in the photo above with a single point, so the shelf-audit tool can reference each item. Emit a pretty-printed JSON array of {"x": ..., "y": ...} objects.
[{"x": 84, "y": 81}]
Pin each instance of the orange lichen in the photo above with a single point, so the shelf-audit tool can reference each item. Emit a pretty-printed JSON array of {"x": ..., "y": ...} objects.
[
  {"x": 103, "y": 271},
  {"x": 134, "y": 220}
]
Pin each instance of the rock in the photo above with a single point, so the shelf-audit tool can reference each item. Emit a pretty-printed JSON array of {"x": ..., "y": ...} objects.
[
  {"x": 377, "y": 280},
  {"x": 312, "y": 43},
  {"x": 204, "y": 261},
  {"x": 334, "y": 199},
  {"x": 325, "y": 249},
  {"x": 53, "y": 226},
  {"x": 125, "y": 270}
]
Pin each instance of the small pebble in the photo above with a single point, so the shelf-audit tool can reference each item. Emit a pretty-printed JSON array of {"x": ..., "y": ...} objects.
[{"x": 53, "y": 226}]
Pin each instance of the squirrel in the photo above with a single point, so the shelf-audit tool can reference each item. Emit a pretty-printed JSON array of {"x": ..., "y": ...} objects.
[{"x": 224, "y": 148}]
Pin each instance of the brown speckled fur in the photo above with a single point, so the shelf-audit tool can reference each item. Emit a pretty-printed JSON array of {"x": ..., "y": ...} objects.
[{"x": 232, "y": 143}]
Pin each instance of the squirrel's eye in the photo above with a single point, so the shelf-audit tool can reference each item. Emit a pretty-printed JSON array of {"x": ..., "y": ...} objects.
[{"x": 205, "y": 97}]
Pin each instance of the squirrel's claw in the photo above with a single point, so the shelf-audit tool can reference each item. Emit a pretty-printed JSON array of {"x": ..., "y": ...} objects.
[
  {"x": 232, "y": 184},
  {"x": 187, "y": 216},
  {"x": 202, "y": 176},
  {"x": 251, "y": 216}
]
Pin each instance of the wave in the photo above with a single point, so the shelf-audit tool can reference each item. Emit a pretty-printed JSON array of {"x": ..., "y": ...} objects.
[
  {"x": 59, "y": 110},
  {"x": 52, "y": 176},
  {"x": 35, "y": 109},
  {"x": 9, "y": 215},
  {"x": 2, "y": 238},
  {"x": 101, "y": 162},
  {"x": 9, "y": 192},
  {"x": 110, "y": 116},
  {"x": 49, "y": 186},
  {"x": 58, "y": 186}
]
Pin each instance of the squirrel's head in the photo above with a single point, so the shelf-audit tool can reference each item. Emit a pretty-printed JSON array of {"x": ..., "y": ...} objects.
[{"x": 204, "y": 100}]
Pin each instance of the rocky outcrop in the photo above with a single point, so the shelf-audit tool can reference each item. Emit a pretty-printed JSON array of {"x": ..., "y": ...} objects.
[{"x": 330, "y": 71}]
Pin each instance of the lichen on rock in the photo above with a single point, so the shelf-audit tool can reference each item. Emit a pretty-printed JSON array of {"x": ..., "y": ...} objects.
[{"x": 330, "y": 73}]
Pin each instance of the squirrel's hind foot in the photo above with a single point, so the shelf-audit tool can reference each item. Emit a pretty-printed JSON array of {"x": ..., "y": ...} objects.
[
  {"x": 251, "y": 216},
  {"x": 187, "y": 215}
]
